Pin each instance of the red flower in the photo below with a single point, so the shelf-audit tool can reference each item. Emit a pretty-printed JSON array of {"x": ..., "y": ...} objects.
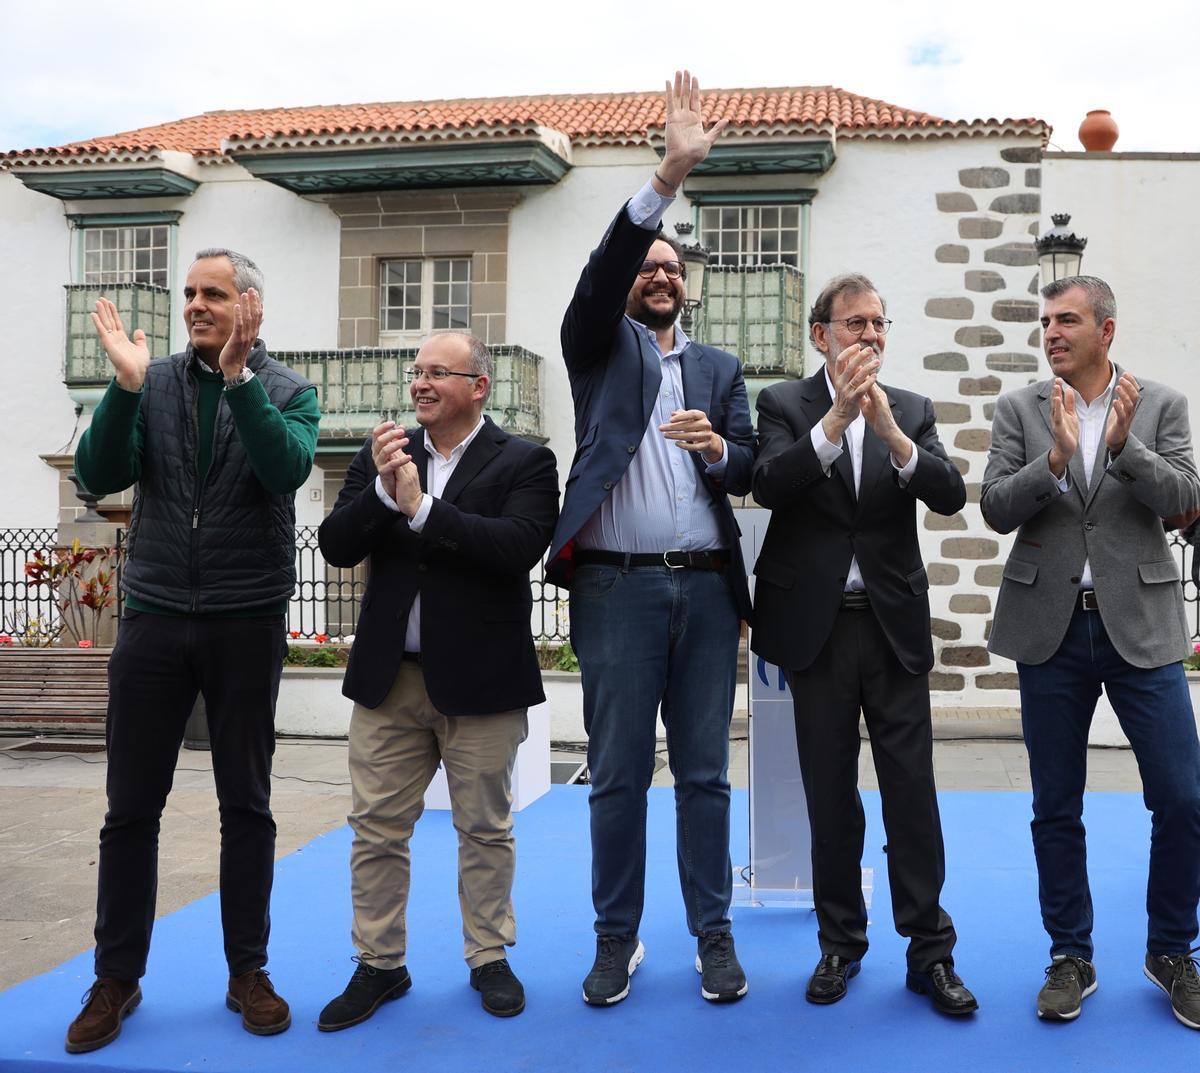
[
  {"x": 321, "y": 638},
  {"x": 85, "y": 643},
  {"x": 5, "y": 639},
  {"x": 293, "y": 634}
]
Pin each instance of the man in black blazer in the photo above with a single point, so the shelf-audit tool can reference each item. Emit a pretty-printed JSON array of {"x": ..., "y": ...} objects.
[
  {"x": 841, "y": 604},
  {"x": 453, "y": 516},
  {"x": 648, "y": 546}
]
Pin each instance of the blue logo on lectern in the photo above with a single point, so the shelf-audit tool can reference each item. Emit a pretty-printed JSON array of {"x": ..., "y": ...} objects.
[{"x": 762, "y": 675}]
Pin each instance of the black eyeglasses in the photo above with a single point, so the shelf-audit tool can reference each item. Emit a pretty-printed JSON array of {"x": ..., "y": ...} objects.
[
  {"x": 412, "y": 374},
  {"x": 857, "y": 325},
  {"x": 673, "y": 269}
]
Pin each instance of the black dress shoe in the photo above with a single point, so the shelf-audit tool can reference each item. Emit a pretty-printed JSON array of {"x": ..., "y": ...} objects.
[
  {"x": 942, "y": 984},
  {"x": 499, "y": 989},
  {"x": 367, "y": 989},
  {"x": 828, "y": 981}
]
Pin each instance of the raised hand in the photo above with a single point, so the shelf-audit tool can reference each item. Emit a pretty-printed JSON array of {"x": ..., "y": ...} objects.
[
  {"x": 388, "y": 440},
  {"x": 687, "y": 141},
  {"x": 853, "y": 374},
  {"x": 878, "y": 414},
  {"x": 1120, "y": 416},
  {"x": 1064, "y": 427},
  {"x": 129, "y": 357},
  {"x": 247, "y": 319}
]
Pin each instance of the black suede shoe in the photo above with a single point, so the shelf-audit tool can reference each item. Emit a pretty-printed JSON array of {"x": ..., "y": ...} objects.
[
  {"x": 1178, "y": 977},
  {"x": 616, "y": 958},
  {"x": 828, "y": 981},
  {"x": 1069, "y": 980},
  {"x": 499, "y": 989},
  {"x": 721, "y": 975},
  {"x": 942, "y": 984},
  {"x": 368, "y": 987}
]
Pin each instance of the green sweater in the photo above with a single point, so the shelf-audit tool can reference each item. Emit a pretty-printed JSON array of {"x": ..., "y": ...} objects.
[{"x": 279, "y": 444}]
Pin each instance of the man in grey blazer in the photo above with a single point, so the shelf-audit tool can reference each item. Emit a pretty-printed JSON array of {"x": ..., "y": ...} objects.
[{"x": 1084, "y": 467}]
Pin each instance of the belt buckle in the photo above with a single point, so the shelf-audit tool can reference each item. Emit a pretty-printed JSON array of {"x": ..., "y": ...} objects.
[
  {"x": 667, "y": 559},
  {"x": 1087, "y": 600}
]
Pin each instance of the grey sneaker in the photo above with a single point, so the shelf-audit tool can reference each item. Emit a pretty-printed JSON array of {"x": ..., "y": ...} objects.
[
  {"x": 616, "y": 958},
  {"x": 1069, "y": 980},
  {"x": 1178, "y": 977},
  {"x": 721, "y": 975}
]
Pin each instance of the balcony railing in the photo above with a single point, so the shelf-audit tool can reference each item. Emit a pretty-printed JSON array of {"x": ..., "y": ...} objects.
[
  {"x": 140, "y": 305},
  {"x": 360, "y": 388},
  {"x": 757, "y": 313}
]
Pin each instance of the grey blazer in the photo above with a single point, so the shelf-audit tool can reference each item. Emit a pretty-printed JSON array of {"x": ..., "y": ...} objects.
[{"x": 1116, "y": 524}]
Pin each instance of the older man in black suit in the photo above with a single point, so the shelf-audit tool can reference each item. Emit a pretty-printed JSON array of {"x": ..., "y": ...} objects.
[
  {"x": 443, "y": 666},
  {"x": 841, "y": 605}
]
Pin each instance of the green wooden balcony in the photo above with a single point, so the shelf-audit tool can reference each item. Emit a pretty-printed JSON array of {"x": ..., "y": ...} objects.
[
  {"x": 757, "y": 313},
  {"x": 140, "y": 305},
  {"x": 360, "y": 388}
]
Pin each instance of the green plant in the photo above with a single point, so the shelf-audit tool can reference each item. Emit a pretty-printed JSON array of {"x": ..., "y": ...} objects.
[
  {"x": 1192, "y": 663},
  {"x": 83, "y": 581}
]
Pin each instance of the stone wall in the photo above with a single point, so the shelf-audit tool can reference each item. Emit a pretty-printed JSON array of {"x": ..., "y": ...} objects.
[{"x": 987, "y": 297}]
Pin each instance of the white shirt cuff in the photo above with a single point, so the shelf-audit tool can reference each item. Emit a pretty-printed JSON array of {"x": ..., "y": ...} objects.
[
  {"x": 827, "y": 453},
  {"x": 904, "y": 473},
  {"x": 715, "y": 469},
  {"x": 417, "y": 522},
  {"x": 384, "y": 498},
  {"x": 647, "y": 206}
]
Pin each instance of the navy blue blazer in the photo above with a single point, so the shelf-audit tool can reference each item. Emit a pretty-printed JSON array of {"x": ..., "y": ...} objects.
[{"x": 615, "y": 376}]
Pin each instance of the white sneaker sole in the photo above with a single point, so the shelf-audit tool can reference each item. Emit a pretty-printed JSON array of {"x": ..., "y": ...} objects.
[
  {"x": 1158, "y": 983},
  {"x": 634, "y": 962},
  {"x": 718, "y": 996},
  {"x": 1046, "y": 1015}
]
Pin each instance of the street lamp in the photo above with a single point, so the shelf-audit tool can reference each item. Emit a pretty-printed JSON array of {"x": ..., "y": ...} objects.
[
  {"x": 695, "y": 259},
  {"x": 1060, "y": 250}
]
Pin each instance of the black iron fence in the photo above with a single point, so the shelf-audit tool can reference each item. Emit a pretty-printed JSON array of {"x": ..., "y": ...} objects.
[{"x": 328, "y": 598}]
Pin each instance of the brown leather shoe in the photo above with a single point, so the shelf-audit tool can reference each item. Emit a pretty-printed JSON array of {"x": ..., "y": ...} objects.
[
  {"x": 105, "y": 1004},
  {"x": 263, "y": 1011}
]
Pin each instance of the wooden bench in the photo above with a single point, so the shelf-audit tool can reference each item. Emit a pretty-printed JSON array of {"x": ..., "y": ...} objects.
[{"x": 54, "y": 689}]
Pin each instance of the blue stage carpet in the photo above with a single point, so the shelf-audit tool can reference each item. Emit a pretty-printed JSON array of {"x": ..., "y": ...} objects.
[{"x": 664, "y": 1024}]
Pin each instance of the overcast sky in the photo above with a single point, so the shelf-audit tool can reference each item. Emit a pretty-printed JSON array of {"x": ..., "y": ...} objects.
[{"x": 71, "y": 70}]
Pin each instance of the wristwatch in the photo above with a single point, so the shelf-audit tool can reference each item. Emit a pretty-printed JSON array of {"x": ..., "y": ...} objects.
[{"x": 244, "y": 377}]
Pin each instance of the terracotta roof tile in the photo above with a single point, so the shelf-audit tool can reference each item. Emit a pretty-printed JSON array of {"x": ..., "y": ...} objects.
[{"x": 581, "y": 117}]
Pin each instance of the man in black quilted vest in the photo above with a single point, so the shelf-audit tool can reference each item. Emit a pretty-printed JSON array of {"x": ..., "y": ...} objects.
[{"x": 217, "y": 440}]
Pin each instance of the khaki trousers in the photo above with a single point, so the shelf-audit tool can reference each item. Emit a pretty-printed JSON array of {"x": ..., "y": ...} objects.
[{"x": 394, "y": 754}]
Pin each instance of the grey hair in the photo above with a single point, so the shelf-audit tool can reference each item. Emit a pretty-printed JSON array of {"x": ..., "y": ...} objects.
[
  {"x": 1099, "y": 294},
  {"x": 849, "y": 283},
  {"x": 479, "y": 358},
  {"x": 246, "y": 273}
]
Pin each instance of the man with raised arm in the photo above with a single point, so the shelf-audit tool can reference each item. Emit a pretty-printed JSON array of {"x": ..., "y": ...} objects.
[
  {"x": 217, "y": 440},
  {"x": 648, "y": 546}
]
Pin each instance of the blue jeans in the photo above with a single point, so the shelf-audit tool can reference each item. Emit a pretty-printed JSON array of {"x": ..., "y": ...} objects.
[
  {"x": 1058, "y": 698},
  {"x": 643, "y": 636}
]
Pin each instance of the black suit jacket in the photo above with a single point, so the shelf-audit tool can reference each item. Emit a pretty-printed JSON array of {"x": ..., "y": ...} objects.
[
  {"x": 818, "y": 525},
  {"x": 615, "y": 375},
  {"x": 470, "y": 563}
]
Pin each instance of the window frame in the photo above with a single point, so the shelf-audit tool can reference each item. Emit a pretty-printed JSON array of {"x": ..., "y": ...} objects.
[{"x": 428, "y": 308}]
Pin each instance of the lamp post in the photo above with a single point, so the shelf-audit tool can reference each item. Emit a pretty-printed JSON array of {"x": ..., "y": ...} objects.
[
  {"x": 1060, "y": 250},
  {"x": 695, "y": 259}
]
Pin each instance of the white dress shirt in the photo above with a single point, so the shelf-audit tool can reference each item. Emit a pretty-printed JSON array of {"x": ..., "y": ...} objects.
[
  {"x": 1093, "y": 418},
  {"x": 828, "y": 453}
]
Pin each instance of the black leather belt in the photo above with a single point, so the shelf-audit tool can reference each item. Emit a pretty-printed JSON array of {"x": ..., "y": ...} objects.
[
  {"x": 412, "y": 657},
  {"x": 676, "y": 560},
  {"x": 1087, "y": 600},
  {"x": 855, "y": 600}
]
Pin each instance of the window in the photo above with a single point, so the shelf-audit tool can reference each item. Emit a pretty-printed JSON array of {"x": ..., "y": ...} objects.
[
  {"x": 744, "y": 235},
  {"x": 419, "y": 296},
  {"x": 126, "y": 255}
]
